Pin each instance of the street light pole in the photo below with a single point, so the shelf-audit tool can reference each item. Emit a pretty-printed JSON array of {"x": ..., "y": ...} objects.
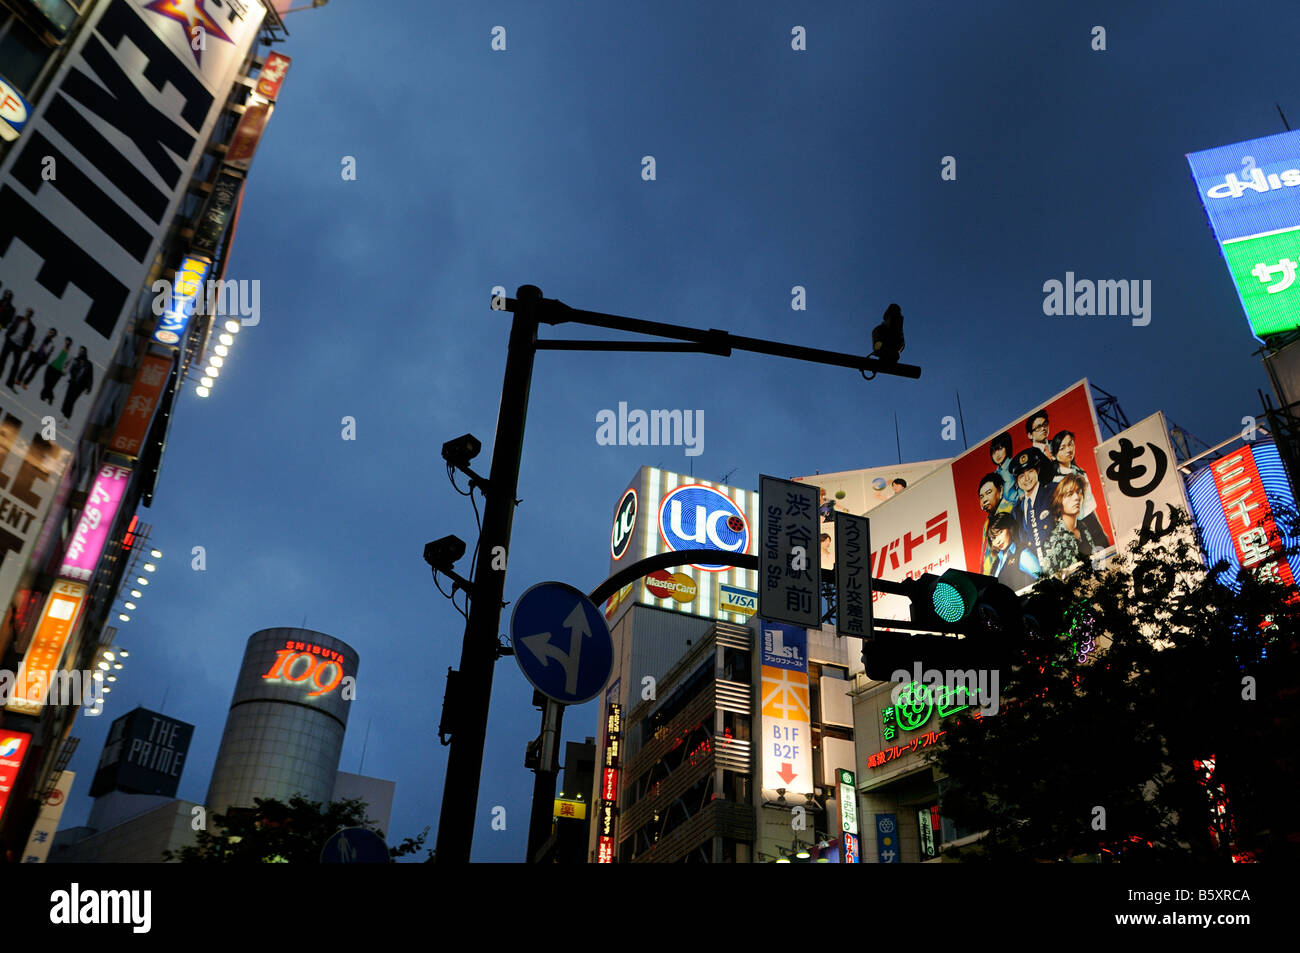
[
  {"x": 473, "y": 693},
  {"x": 479, "y": 651}
]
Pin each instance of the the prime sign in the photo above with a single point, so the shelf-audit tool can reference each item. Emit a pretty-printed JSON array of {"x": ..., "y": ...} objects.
[{"x": 86, "y": 195}]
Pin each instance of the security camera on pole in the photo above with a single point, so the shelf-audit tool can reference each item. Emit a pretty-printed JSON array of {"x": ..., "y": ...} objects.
[{"x": 465, "y": 709}]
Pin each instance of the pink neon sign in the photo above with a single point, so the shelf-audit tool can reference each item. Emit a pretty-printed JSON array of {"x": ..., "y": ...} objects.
[{"x": 88, "y": 541}]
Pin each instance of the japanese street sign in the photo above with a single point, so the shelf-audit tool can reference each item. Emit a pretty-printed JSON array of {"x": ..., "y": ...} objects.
[
  {"x": 789, "y": 553},
  {"x": 852, "y": 575}
]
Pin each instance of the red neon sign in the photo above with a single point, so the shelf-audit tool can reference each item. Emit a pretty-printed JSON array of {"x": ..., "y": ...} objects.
[{"x": 286, "y": 668}]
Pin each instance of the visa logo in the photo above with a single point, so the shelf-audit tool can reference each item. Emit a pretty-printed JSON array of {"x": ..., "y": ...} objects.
[{"x": 741, "y": 601}]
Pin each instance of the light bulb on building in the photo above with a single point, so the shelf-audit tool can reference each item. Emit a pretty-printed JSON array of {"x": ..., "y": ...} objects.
[
  {"x": 125, "y": 605},
  {"x": 202, "y": 391},
  {"x": 156, "y": 553},
  {"x": 124, "y": 653},
  {"x": 137, "y": 594},
  {"x": 221, "y": 350},
  {"x": 204, "y": 384},
  {"x": 149, "y": 567},
  {"x": 226, "y": 340},
  {"x": 123, "y": 617},
  {"x": 232, "y": 326},
  {"x": 217, "y": 361}
]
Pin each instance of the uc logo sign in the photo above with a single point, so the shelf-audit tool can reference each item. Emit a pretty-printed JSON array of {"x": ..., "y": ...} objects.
[
  {"x": 700, "y": 517},
  {"x": 624, "y": 522}
]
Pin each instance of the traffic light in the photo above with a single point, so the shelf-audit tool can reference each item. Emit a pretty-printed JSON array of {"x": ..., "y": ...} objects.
[
  {"x": 887, "y": 338},
  {"x": 982, "y": 610},
  {"x": 965, "y": 602}
]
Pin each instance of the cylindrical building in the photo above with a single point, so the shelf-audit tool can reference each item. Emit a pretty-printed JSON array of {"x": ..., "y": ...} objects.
[{"x": 284, "y": 733}]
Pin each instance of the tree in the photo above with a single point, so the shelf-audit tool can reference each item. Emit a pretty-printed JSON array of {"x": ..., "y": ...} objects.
[
  {"x": 1138, "y": 681},
  {"x": 275, "y": 832}
]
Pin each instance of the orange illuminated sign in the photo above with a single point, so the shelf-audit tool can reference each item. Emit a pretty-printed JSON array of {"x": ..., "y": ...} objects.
[
  {"x": 288, "y": 667},
  {"x": 36, "y": 674}
]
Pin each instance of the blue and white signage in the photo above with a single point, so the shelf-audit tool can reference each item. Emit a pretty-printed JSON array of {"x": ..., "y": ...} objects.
[
  {"x": 355, "y": 845},
  {"x": 887, "y": 851},
  {"x": 1250, "y": 187},
  {"x": 699, "y": 517},
  {"x": 14, "y": 111},
  {"x": 785, "y": 646},
  {"x": 187, "y": 290},
  {"x": 562, "y": 643}
]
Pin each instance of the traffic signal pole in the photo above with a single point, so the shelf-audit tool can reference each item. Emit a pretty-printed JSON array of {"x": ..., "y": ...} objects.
[
  {"x": 479, "y": 650},
  {"x": 469, "y": 704}
]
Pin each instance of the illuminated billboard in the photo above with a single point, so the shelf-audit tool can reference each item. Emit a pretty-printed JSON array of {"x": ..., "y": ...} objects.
[
  {"x": 13, "y": 749},
  {"x": 41, "y": 661},
  {"x": 187, "y": 292},
  {"x": 662, "y": 512},
  {"x": 1251, "y": 193},
  {"x": 786, "y": 752},
  {"x": 125, "y": 119},
  {"x": 137, "y": 412},
  {"x": 96, "y": 523},
  {"x": 1234, "y": 499},
  {"x": 1025, "y": 501}
]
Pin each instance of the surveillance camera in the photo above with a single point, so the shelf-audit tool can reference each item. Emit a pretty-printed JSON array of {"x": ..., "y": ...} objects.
[
  {"x": 462, "y": 450},
  {"x": 443, "y": 553}
]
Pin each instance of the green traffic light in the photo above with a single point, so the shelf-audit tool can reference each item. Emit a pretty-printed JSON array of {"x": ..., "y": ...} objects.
[{"x": 953, "y": 596}]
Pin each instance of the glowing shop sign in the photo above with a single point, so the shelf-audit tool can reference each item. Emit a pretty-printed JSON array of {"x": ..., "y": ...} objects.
[
  {"x": 186, "y": 288},
  {"x": 917, "y": 704},
  {"x": 319, "y": 663},
  {"x": 609, "y": 785}
]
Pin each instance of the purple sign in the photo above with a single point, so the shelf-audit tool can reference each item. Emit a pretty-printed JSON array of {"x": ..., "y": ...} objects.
[{"x": 96, "y": 520}]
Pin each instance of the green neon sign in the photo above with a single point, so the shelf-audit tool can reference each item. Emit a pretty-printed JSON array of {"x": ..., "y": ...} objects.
[{"x": 1266, "y": 271}]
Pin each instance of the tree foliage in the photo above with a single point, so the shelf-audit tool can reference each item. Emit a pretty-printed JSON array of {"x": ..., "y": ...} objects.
[
  {"x": 1130, "y": 678},
  {"x": 275, "y": 832}
]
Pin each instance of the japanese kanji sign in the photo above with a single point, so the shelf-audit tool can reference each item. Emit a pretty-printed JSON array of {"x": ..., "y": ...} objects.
[
  {"x": 786, "y": 726},
  {"x": 137, "y": 412},
  {"x": 47, "y": 822},
  {"x": 852, "y": 575},
  {"x": 96, "y": 523},
  {"x": 41, "y": 662},
  {"x": 1141, "y": 483},
  {"x": 789, "y": 553}
]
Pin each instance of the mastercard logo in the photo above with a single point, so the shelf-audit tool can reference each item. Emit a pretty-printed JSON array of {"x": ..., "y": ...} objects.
[{"x": 671, "y": 585}]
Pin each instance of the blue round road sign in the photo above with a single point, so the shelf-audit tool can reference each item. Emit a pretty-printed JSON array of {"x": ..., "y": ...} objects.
[
  {"x": 355, "y": 845},
  {"x": 562, "y": 643}
]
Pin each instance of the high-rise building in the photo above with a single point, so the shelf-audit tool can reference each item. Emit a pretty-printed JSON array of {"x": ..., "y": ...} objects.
[{"x": 124, "y": 147}]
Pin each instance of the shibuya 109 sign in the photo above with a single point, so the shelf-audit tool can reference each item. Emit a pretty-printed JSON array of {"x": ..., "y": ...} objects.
[{"x": 311, "y": 666}]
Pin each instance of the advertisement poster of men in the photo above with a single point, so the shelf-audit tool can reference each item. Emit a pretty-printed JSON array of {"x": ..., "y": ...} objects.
[
  {"x": 1042, "y": 471},
  {"x": 1003, "y": 508}
]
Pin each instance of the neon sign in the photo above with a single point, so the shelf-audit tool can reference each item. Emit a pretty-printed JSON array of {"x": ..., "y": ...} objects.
[
  {"x": 319, "y": 660},
  {"x": 917, "y": 704}
]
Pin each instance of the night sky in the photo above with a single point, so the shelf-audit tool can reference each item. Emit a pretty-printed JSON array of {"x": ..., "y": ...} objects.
[{"x": 774, "y": 168}]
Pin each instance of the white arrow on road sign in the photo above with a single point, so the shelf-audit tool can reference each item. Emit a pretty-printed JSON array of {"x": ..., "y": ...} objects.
[{"x": 540, "y": 645}]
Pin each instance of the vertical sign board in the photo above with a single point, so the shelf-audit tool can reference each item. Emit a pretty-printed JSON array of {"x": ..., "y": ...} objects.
[
  {"x": 272, "y": 75},
  {"x": 47, "y": 821},
  {"x": 1231, "y": 499},
  {"x": 137, "y": 412},
  {"x": 1251, "y": 194},
  {"x": 789, "y": 553},
  {"x": 39, "y": 665},
  {"x": 852, "y": 575},
  {"x": 887, "y": 851},
  {"x": 609, "y": 784},
  {"x": 125, "y": 120},
  {"x": 925, "y": 824},
  {"x": 1140, "y": 478},
  {"x": 87, "y": 544},
  {"x": 187, "y": 287},
  {"x": 13, "y": 749},
  {"x": 849, "y": 816},
  {"x": 787, "y": 735},
  {"x": 216, "y": 214}
]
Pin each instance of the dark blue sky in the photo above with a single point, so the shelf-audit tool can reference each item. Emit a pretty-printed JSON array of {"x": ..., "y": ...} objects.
[{"x": 775, "y": 168}]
